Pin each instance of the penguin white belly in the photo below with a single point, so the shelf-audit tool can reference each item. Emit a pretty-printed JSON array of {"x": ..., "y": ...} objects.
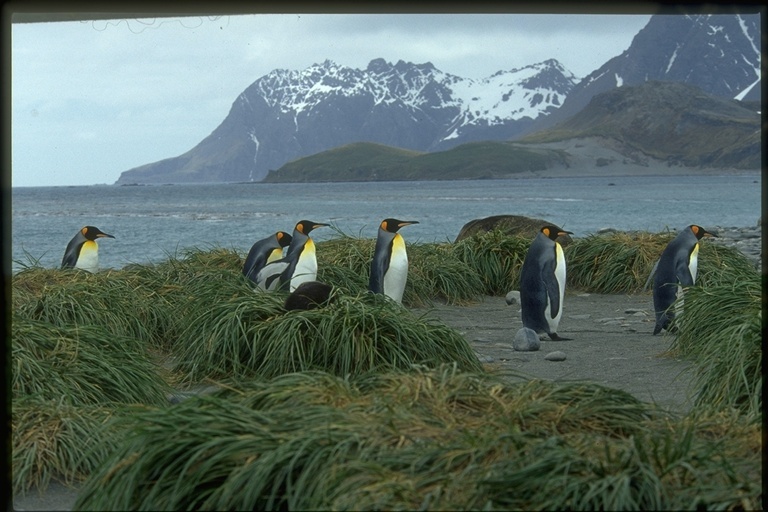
[
  {"x": 554, "y": 322},
  {"x": 397, "y": 273},
  {"x": 306, "y": 267},
  {"x": 88, "y": 259},
  {"x": 693, "y": 262}
]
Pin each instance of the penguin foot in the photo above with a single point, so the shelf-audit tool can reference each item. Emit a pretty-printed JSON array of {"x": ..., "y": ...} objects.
[{"x": 556, "y": 337}]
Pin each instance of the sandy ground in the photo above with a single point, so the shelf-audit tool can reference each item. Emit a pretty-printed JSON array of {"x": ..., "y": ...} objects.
[{"x": 612, "y": 345}]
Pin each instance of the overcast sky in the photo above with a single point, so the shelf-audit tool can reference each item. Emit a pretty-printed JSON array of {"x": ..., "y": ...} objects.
[{"x": 92, "y": 99}]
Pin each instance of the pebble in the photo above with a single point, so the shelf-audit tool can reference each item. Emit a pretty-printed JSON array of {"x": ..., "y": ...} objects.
[
  {"x": 526, "y": 340},
  {"x": 557, "y": 355},
  {"x": 513, "y": 297}
]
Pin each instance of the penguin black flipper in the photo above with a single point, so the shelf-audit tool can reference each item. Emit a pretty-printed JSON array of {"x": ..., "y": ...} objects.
[
  {"x": 378, "y": 271},
  {"x": 70, "y": 255}
]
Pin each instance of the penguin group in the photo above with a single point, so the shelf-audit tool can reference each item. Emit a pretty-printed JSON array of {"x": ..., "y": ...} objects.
[
  {"x": 296, "y": 271},
  {"x": 288, "y": 262}
]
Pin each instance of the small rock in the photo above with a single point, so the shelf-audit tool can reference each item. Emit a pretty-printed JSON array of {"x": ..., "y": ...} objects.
[
  {"x": 513, "y": 297},
  {"x": 485, "y": 359},
  {"x": 526, "y": 340},
  {"x": 557, "y": 355},
  {"x": 632, "y": 311}
]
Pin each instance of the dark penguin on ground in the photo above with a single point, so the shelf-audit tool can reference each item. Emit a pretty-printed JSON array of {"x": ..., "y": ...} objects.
[
  {"x": 677, "y": 267},
  {"x": 309, "y": 295},
  {"x": 542, "y": 283},
  {"x": 82, "y": 251},
  {"x": 265, "y": 251},
  {"x": 389, "y": 268},
  {"x": 299, "y": 264}
]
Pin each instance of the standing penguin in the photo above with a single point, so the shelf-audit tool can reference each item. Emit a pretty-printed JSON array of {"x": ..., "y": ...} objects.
[
  {"x": 83, "y": 251},
  {"x": 677, "y": 267},
  {"x": 542, "y": 283},
  {"x": 389, "y": 268},
  {"x": 265, "y": 251},
  {"x": 299, "y": 264}
]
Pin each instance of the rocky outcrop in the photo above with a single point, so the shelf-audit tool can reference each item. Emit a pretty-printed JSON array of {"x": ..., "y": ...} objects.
[{"x": 514, "y": 225}]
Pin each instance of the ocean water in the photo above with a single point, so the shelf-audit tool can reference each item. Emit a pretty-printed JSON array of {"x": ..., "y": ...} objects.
[{"x": 151, "y": 223}]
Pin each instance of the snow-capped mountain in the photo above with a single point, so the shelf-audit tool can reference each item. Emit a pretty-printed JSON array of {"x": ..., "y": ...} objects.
[
  {"x": 288, "y": 114},
  {"x": 718, "y": 53}
]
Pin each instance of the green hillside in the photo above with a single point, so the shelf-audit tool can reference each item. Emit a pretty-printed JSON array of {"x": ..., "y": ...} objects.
[{"x": 366, "y": 161}]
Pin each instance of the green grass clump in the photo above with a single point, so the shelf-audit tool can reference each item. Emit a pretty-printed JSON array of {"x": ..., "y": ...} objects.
[
  {"x": 424, "y": 439},
  {"x": 248, "y": 334},
  {"x": 496, "y": 257},
  {"x": 55, "y": 440},
  {"x": 615, "y": 262},
  {"x": 621, "y": 262},
  {"x": 437, "y": 273},
  {"x": 720, "y": 327},
  {"x": 120, "y": 302},
  {"x": 81, "y": 365},
  {"x": 434, "y": 271}
]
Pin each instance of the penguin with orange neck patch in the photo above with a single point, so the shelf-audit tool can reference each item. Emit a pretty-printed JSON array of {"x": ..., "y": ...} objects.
[
  {"x": 298, "y": 266},
  {"x": 542, "y": 283},
  {"x": 82, "y": 251},
  {"x": 677, "y": 267},
  {"x": 263, "y": 252},
  {"x": 389, "y": 268}
]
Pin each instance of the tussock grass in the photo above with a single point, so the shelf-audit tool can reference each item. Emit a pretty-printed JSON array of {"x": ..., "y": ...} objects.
[
  {"x": 621, "y": 262},
  {"x": 496, "y": 257},
  {"x": 55, "y": 440},
  {"x": 120, "y": 302},
  {"x": 436, "y": 273},
  {"x": 721, "y": 328},
  {"x": 615, "y": 262},
  {"x": 423, "y": 439},
  {"x": 249, "y": 334},
  {"x": 81, "y": 365}
]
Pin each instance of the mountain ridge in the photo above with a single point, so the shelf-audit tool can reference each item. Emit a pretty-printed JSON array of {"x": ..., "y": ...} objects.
[{"x": 288, "y": 114}]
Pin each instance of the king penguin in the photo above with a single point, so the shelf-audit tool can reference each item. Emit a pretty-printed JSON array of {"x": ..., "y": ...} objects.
[
  {"x": 389, "y": 268},
  {"x": 83, "y": 251},
  {"x": 265, "y": 251},
  {"x": 677, "y": 267},
  {"x": 542, "y": 283},
  {"x": 299, "y": 264}
]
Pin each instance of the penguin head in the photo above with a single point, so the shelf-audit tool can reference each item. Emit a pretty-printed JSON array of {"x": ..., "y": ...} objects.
[
  {"x": 700, "y": 232},
  {"x": 92, "y": 233},
  {"x": 393, "y": 225},
  {"x": 552, "y": 232},
  {"x": 283, "y": 238},
  {"x": 305, "y": 226}
]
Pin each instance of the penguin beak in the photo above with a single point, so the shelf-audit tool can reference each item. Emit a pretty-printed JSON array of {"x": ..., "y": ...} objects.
[
  {"x": 407, "y": 223},
  {"x": 561, "y": 233},
  {"x": 707, "y": 233},
  {"x": 104, "y": 235}
]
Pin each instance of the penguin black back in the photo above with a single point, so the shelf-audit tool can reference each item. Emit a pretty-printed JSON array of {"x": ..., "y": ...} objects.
[
  {"x": 265, "y": 251},
  {"x": 677, "y": 267},
  {"x": 389, "y": 267},
  {"x": 542, "y": 282},
  {"x": 82, "y": 251}
]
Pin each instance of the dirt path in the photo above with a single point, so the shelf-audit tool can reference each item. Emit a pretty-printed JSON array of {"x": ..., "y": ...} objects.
[{"x": 612, "y": 345}]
